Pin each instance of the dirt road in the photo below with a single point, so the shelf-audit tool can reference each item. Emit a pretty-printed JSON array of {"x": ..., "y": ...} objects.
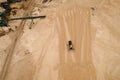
[{"x": 16, "y": 37}]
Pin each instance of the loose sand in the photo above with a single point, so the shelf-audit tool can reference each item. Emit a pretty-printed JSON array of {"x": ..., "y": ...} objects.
[{"x": 41, "y": 53}]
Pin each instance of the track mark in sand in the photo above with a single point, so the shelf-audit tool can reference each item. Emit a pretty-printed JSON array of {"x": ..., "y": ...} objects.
[
  {"x": 74, "y": 24},
  {"x": 68, "y": 35}
]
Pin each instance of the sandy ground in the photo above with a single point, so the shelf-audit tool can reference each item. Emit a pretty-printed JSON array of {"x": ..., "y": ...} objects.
[{"x": 41, "y": 53}]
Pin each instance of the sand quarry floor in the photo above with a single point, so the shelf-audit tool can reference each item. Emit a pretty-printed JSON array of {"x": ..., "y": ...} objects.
[{"x": 41, "y": 53}]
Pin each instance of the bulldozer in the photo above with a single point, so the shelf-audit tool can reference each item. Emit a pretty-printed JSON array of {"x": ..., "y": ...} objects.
[{"x": 70, "y": 45}]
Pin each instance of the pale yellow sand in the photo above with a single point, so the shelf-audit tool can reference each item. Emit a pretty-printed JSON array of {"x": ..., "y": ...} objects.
[{"x": 41, "y": 53}]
